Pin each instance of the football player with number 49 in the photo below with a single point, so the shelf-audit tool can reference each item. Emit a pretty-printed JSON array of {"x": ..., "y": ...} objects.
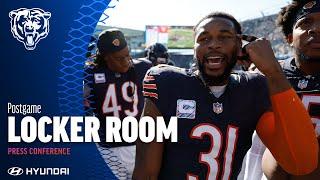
[
  {"x": 113, "y": 87},
  {"x": 218, "y": 111}
]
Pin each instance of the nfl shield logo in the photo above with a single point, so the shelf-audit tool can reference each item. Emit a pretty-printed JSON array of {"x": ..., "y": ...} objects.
[
  {"x": 302, "y": 84},
  {"x": 217, "y": 108}
]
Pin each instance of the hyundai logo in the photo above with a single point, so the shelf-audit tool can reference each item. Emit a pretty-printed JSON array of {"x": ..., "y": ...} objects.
[{"x": 15, "y": 171}]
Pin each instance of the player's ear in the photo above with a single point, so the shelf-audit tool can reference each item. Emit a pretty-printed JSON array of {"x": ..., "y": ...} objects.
[{"x": 289, "y": 39}]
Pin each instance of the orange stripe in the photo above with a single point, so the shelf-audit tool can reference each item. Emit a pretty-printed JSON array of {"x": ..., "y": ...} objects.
[
  {"x": 149, "y": 86},
  {"x": 154, "y": 95},
  {"x": 150, "y": 78}
]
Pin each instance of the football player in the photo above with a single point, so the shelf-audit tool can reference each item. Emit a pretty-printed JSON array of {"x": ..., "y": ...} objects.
[
  {"x": 300, "y": 23},
  {"x": 157, "y": 53},
  {"x": 218, "y": 111},
  {"x": 113, "y": 87}
]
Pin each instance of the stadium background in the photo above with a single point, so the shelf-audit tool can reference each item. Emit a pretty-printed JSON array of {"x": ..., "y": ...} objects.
[{"x": 264, "y": 26}]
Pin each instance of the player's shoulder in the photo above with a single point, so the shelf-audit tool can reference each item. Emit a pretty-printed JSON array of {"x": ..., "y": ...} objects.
[
  {"x": 249, "y": 76},
  {"x": 166, "y": 74},
  {"x": 142, "y": 63},
  {"x": 90, "y": 67},
  {"x": 250, "y": 80},
  {"x": 164, "y": 70}
]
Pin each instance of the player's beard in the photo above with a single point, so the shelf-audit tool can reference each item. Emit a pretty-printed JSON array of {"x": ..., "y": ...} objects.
[
  {"x": 305, "y": 58},
  {"x": 218, "y": 80}
]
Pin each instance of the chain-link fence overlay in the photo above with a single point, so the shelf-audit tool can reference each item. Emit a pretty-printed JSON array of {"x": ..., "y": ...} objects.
[{"x": 70, "y": 87}]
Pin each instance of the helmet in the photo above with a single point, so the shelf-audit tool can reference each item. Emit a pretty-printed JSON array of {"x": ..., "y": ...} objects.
[{"x": 157, "y": 53}]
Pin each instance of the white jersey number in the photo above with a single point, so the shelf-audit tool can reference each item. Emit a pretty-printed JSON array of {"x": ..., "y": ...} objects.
[
  {"x": 309, "y": 100},
  {"x": 110, "y": 104},
  {"x": 210, "y": 158}
]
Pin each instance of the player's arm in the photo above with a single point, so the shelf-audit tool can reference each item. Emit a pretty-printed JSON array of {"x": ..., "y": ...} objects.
[
  {"x": 288, "y": 131},
  {"x": 273, "y": 171},
  {"x": 148, "y": 155},
  {"x": 289, "y": 134}
]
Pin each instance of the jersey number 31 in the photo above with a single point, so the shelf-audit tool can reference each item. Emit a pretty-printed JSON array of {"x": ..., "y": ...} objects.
[{"x": 211, "y": 158}]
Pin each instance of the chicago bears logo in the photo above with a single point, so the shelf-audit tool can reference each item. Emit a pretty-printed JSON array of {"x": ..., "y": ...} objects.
[{"x": 29, "y": 26}]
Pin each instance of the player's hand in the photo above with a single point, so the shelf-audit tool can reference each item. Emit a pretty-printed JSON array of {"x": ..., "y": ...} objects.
[{"x": 261, "y": 54}]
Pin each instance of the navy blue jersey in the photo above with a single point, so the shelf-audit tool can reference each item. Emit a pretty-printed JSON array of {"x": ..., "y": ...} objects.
[
  {"x": 214, "y": 134},
  {"x": 307, "y": 87},
  {"x": 115, "y": 94}
]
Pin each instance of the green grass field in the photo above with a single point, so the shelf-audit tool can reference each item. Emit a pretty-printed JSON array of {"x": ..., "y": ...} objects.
[{"x": 180, "y": 38}]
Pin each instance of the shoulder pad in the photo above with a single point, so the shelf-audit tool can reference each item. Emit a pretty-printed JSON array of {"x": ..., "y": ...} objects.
[
  {"x": 164, "y": 68},
  {"x": 141, "y": 61}
]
